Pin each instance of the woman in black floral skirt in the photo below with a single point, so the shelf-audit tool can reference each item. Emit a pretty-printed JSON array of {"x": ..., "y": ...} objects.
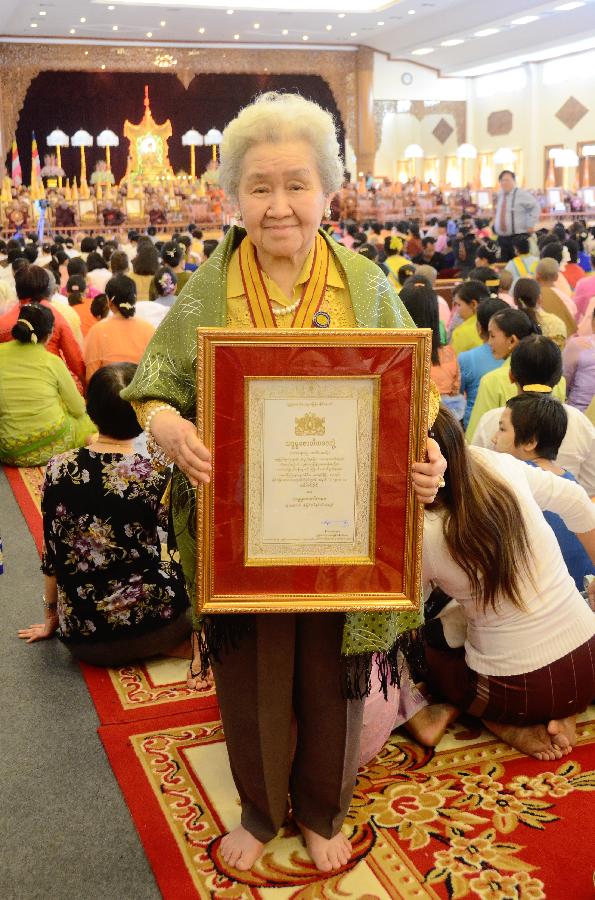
[{"x": 108, "y": 594}]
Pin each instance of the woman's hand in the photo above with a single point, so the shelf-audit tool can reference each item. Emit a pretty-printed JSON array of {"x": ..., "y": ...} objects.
[
  {"x": 179, "y": 439},
  {"x": 38, "y": 632},
  {"x": 428, "y": 476}
]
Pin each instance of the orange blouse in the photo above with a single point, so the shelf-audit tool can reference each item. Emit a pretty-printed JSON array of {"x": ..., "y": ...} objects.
[
  {"x": 116, "y": 340},
  {"x": 447, "y": 375}
]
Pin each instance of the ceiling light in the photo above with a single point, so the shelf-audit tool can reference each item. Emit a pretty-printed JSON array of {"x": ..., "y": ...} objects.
[
  {"x": 256, "y": 25},
  {"x": 201, "y": 31},
  {"x": 524, "y": 20},
  {"x": 103, "y": 65},
  {"x": 423, "y": 51},
  {"x": 329, "y": 27},
  {"x": 453, "y": 42},
  {"x": 86, "y": 52},
  {"x": 114, "y": 27},
  {"x": 566, "y": 7},
  {"x": 353, "y": 34},
  {"x": 341, "y": 16},
  {"x": 486, "y": 32},
  {"x": 162, "y": 23},
  {"x": 73, "y": 31},
  {"x": 380, "y": 23},
  {"x": 236, "y": 37},
  {"x": 42, "y": 12},
  {"x": 411, "y": 12},
  {"x": 33, "y": 24},
  {"x": 305, "y": 37},
  {"x": 230, "y": 12},
  {"x": 149, "y": 34},
  {"x": 82, "y": 20},
  {"x": 111, "y": 8},
  {"x": 285, "y": 31}
]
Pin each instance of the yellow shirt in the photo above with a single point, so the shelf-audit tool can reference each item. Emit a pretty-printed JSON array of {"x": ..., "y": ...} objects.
[
  {"x": 336, "y": 301},
  {"x": 394, "y": 263},
  {"x": 465, "y": 336}
]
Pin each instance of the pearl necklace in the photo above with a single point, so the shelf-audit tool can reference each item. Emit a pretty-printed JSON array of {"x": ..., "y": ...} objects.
[{"x": 280, "y": 311}]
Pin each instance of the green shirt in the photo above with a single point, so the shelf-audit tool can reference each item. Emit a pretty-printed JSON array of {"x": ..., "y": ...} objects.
[
  {"x": 36, "y": 392},
  {"x": 495, "y": 388}
]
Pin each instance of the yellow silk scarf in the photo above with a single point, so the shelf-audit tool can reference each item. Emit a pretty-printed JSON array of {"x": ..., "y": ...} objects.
[{"x": 259, "y": 301}]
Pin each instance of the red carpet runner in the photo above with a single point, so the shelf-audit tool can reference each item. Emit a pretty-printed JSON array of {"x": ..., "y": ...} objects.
[{"x": 473, "y": 819}]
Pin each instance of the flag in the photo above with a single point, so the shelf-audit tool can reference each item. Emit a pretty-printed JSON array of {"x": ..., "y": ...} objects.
[
  {"x": 35, "y": 164},
  {"x": 17, "y": 172}
]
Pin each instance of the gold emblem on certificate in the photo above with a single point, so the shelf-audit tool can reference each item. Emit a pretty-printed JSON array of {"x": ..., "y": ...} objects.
[{"x": 311, "y": 452}]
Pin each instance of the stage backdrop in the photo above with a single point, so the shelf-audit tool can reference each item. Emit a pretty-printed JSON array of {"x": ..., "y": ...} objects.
[{"x": 94, "y": 101}]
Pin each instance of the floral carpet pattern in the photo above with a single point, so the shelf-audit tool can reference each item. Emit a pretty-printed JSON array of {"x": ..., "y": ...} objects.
[{"x": 472, "y": 819}]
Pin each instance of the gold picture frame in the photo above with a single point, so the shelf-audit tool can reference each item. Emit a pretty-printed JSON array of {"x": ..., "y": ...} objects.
[{"x": 372, "y": 381}]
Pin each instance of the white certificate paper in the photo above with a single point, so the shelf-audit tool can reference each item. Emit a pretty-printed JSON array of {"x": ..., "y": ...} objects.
[{"x": 311, "y": 470}]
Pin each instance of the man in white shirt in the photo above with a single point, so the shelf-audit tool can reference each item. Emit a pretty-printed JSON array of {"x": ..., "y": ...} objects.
[{"x": 517, "y": 213}]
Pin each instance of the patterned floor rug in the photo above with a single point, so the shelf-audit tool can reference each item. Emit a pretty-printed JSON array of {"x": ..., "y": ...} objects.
[{"x": 472, "y": 819}]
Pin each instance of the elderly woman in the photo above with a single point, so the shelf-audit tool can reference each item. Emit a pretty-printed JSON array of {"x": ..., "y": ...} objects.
[{"x": 280, "y": 162}]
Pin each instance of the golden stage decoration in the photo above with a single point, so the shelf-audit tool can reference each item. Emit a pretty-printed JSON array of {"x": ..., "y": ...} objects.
[
  {"x": 21, "y": 63},
  {"x": 148, "y": 159}
]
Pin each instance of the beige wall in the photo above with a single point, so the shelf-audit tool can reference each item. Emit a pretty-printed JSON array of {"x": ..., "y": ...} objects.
[
  {"x": 532, "y": 93},
  {"x": 425, "y": 84}
]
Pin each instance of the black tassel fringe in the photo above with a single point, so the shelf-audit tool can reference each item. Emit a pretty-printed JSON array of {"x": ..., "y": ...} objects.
[
  {"x": 357, "y": 670},
  {"x": 221, "y": 634}
]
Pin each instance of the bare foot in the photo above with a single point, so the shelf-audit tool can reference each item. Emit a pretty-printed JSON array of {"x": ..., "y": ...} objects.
[
  {"x": 195, "y": 683},
  {"x": 429, "y": 724},
  {"x": 563, "y": 733},
  {"x": 327, "y": 854},
  {"x": 240, "y": 849},
  {"x": 534, "y": 740}
]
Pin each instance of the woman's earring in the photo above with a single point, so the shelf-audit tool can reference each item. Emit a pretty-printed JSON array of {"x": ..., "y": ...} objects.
[{"x": 327, "y": 213}]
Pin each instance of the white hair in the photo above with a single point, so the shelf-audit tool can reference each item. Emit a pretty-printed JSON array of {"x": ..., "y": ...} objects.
[{"x": 274, "y": 118}]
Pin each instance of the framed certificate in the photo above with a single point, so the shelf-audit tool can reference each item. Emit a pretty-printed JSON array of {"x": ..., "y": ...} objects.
[{"x": 313, "y": 433}]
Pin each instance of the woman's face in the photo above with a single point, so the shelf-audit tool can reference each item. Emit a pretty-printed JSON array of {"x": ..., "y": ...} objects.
[
  {"x": 465, "y": 310},
  {"x": 281, "y": 198},
  {"x": 503, "y": 440},
  {"x": 502, "y": 345}
]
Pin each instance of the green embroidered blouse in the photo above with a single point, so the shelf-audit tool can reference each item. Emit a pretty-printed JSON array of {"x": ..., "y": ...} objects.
[{"x": 167, "y": 372}]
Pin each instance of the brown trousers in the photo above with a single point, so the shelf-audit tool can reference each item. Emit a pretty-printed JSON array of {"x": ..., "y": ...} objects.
[{"x": 289, "y": 664}]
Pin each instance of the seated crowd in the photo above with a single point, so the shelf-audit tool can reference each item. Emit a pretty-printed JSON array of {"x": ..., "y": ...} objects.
[{"x": 513, "y": 357}]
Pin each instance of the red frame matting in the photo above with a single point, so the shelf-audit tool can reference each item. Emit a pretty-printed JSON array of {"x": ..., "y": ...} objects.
[{"x": 395, "y": 367}]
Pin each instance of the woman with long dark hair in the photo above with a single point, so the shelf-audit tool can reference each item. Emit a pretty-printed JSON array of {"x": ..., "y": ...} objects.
[
  {"x": 421, "y": 303},
  {"x": 526, "y": 668}
]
